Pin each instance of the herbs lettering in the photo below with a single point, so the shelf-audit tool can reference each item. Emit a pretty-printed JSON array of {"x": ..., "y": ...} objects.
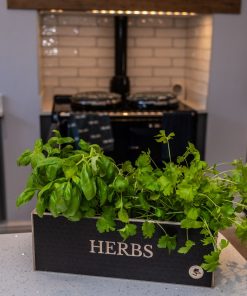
[{"x": 85, "y": 183}]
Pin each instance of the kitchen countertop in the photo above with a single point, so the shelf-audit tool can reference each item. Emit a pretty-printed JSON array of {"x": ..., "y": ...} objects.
[{"x": 17, "y": 277}]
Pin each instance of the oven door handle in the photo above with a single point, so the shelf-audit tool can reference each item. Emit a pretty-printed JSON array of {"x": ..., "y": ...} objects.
[{"x": 134, "y": 147}]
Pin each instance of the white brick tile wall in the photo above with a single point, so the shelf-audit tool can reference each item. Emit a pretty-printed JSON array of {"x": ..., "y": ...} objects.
[
  {"x": 198, "y": 60},
  {"x": 172, "y": 33},
  {"x": 198, "y": 42},
  {"x": 96, "y": 52},
  {"x": 139, "y": 72},
  {"x": 131, "y": 42},
  {"x": 197, "y": 75},
  {"x": 179, "y": 42},
  {"x": 105, "y": 42},
  {"x": 152, "y": 21},
  {"x": 169, "y": 72},
  {"x": 64, "y": 90},
  {"x": 67, "y": 31},
  {"x": 61, "y": 52},
  {"x": 199, "y": 54},
  {"x": 153, "y": 81},
  {"x": 179, "y": 62},
  {"x": 140, "y": 32},
  {"x": 77, "y": 53},
  {"x": 105, "y": 63},
  {"x": 60, "y": 72},
  {"x": 75, "y": 41},
  {"x": 50, "y": 81},
  {"x": 78, "y": 82},
  {"x": 96, "y": 72},
  {"x": 153, "y": 62},
  {"x": 49, "y": 62},
  {"x": 140, "y": 52},
  {"x": 77, "y": 62},
  {"x": 153, "y": 42},
  {"x": 96, "y": 32},
  {"x": 169, "y": 52},
  {"x": 198, "y": 64},
  {"x": 180, "y": 22},
  {"x": 103, "y": 83}
]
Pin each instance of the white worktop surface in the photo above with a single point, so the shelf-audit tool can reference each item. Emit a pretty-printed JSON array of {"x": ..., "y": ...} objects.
[{"x": 17, "y": 277}]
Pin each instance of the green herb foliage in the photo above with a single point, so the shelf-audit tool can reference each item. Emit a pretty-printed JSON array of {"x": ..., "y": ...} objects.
[{"x": 85, "y": 183}]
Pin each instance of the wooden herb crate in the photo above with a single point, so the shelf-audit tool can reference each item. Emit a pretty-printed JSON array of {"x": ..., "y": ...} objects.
[{"x": 77, "y": 247}]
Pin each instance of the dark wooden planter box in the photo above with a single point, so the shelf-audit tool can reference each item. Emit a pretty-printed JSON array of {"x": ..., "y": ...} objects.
[{"x": 76, "y": 247}]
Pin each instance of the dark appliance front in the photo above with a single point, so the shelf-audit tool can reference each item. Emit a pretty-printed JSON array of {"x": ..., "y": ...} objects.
[{"x": 133, "y": 128}]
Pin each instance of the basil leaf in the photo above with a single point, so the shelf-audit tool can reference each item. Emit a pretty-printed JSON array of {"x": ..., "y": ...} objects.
[
  {"x": 88, "y": 184},
  {"x": 25, "y": 196}
]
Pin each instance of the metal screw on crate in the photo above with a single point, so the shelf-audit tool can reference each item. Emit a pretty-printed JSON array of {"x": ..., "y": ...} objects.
[{"x": 196, "y": 272}]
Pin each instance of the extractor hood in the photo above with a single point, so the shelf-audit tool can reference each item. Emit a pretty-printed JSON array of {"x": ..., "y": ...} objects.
[{"x": 128, "y": 6}]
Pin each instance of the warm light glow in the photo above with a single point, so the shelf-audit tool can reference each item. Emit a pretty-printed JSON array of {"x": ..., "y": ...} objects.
[
  {"x": 135, "y": 12},
  {"x": 53, "y": 10}
]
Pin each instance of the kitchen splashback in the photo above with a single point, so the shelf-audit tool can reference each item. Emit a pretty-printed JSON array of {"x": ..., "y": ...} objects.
[{"x": 77, "y": 54}]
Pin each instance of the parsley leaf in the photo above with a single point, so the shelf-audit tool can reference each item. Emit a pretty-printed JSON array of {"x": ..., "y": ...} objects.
[
  {"x": 128, "y": 230},
  {"x": 188, "y": 245},
  {"x": 211, "y": 261},
  {"x": 167, "y": 242},
  {"x": 148, "y": 229}
]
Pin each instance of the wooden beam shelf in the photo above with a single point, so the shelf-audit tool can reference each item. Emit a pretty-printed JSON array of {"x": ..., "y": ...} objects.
[{"x": 197, "y": 6}]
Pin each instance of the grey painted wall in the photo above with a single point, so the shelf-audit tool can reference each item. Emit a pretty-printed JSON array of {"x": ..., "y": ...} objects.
[
  {"x": 19, "y": 85},
  {"x": 227, "y": 101}
]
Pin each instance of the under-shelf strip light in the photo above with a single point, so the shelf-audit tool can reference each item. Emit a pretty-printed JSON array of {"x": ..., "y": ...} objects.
[
  {"x": 144, "y": 12},
  {"x": 134, "y": 12}
]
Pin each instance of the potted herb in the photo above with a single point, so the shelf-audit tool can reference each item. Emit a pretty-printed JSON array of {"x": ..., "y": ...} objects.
[{"x": 162, "y": 222}]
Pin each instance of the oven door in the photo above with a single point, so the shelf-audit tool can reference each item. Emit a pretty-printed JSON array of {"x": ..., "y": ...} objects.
[{"x": 134, "y": 135}]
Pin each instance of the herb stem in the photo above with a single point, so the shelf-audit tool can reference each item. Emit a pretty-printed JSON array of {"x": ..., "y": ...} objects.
[
  {"x": 223, "y": 172},
  {"x": 226, "y": 180},
  {"x": 211, "y": 235},
  {"x": 169, "y": 151},
  {"x": 80, "y": 161},
  {"x": 237, "y": 203},
  {"x": 171, "y": 213},
  {"x": 162, "y": 228},
  {"x": 219, "y": 164},
  {"x": 209, "y": 199}
]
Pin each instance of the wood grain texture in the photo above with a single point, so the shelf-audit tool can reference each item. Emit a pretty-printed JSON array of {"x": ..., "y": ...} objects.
[{"x": 198, "y": 6}]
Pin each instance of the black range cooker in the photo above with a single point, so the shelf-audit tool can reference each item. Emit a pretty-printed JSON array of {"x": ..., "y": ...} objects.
[
  {"x": 134, "y": 122},
  {"x": 127, "y": 124}
]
